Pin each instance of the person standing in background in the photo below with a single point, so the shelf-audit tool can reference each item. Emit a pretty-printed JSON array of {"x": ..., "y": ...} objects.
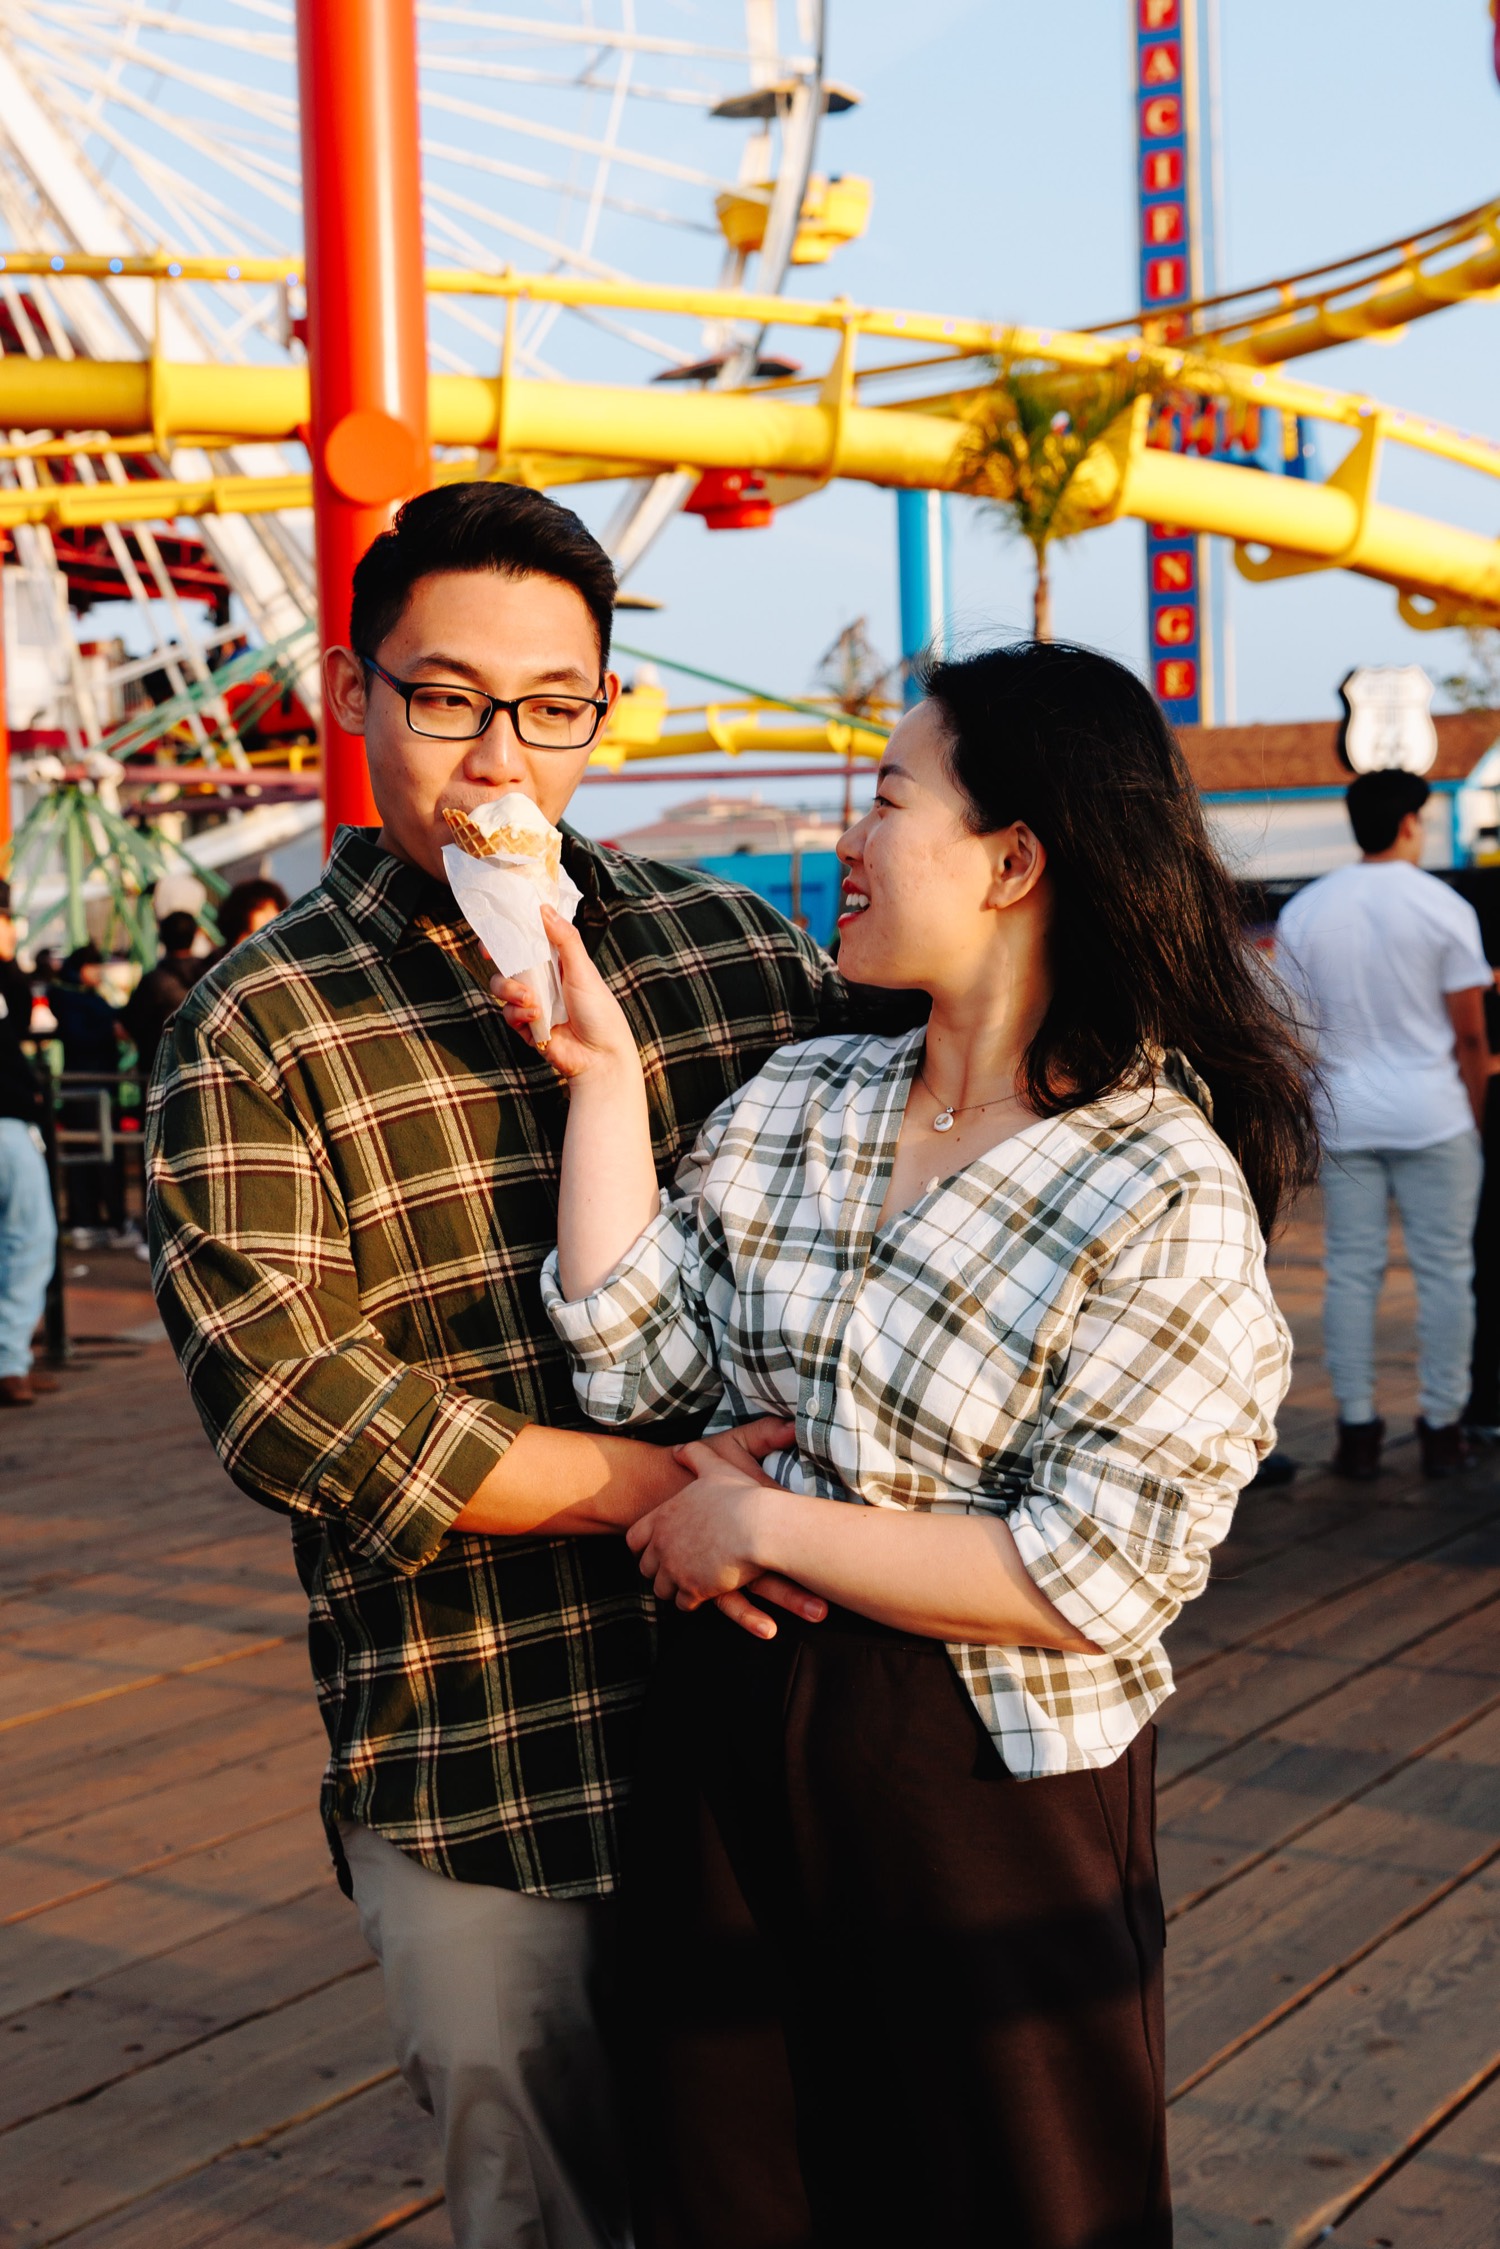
[
  {"x": 1391, "y": 965},
  {"x": 28, "y": 1225},
  {"x": 162, "y": 990},
  {"x": 244, "y": 910},
  {"x": 1482, "y": 1413},
  {"x": 90, "y": 1031}
]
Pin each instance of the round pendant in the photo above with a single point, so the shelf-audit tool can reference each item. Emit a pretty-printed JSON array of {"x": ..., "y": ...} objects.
[{"x": 943, "y": 1121}]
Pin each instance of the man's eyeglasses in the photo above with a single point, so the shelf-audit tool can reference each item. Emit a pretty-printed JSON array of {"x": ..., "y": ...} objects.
[{"x": 462, "y": 714}]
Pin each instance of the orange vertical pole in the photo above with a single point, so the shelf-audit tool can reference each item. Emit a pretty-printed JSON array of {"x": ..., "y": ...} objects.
[{"x": 367, "y": 311}]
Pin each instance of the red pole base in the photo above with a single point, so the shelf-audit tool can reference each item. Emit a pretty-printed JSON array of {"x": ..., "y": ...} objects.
[{"x": 344, "y": 532}]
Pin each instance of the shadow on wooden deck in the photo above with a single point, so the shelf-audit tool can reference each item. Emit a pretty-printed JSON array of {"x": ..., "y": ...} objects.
[{"x": 192, "y": 2051}]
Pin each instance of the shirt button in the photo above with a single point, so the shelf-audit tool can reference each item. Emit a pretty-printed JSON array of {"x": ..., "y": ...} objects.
[{"x": 815, "y": 1402}]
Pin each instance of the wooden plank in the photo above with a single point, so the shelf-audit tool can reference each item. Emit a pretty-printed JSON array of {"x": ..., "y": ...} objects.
[
  {"x": 430, "y": 2231},
  {"x": 67, "y": 2049},
  {"x": 1282, "y": 2135},
  {"x": 1446, "y": 2196},
  {"x": 43, "y": 1688},
  {"x": 1258, "y": 1947},
  {"x": 135, "y": 1743},
  {"x": 79, "y": 2164},
  {"x": 101, "y": 1848},
  {"x": 1293, "y": 1581},
  {"x": 93, "y": 1606},
  {"x": 1292, "y": 1665},
  {"x": 53, "y": 1659},
  {"x": 138, "y": 1918},
  {"x": 1263, "y": 1794},
  {"x": 48, "y": 1552},
  {"x": 326, "y": 2184},
  {"x": 65, "y": 1536}
]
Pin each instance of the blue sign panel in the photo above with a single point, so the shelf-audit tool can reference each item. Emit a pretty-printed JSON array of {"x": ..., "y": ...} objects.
[{"x": 1173, "y": 572}]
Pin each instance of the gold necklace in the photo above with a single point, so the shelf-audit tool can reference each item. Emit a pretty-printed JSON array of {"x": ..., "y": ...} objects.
[{"x": 944, "y": 1120}]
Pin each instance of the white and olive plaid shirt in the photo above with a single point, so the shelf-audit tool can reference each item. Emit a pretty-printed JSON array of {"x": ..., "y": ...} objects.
[{"x": 1075, "y": 1332}]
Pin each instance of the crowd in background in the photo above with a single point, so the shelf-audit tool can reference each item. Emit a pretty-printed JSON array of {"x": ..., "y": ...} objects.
[
  {"x": 106, "y": 1053},
  {"x": 1393, "y": 968}
]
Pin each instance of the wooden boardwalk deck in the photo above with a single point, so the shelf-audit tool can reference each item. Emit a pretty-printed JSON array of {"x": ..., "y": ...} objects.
[{"x": 192, "y": 2053}]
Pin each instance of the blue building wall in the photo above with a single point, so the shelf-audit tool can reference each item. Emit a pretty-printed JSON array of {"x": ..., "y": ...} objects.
[{"x": 769, "y": 875}]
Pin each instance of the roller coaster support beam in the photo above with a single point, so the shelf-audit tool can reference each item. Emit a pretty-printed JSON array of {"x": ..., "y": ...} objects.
[
  {"x": 557, "y": 431},
  {"x": 366, "y": 301}
]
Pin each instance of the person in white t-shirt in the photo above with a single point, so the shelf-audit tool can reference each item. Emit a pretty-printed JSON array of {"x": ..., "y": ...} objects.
[{"x": 1393, "y": 972}]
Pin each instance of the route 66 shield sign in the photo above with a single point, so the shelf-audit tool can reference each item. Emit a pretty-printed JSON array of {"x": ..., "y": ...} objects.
[{"x": 1389, "y": 719}]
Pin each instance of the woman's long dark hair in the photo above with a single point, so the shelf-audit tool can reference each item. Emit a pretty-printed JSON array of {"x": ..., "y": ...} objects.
[{"x": 1148, "y": 945}]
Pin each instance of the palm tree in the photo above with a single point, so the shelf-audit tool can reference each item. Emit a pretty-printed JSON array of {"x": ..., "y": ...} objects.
[
  {"x": 1034, "y": 429},
  {"x": 1477, "y": 686},
  {"x": 854, "y": 672}
]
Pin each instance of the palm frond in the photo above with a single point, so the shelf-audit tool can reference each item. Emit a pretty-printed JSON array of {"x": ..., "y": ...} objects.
[{"x": 1032, "y": 433}]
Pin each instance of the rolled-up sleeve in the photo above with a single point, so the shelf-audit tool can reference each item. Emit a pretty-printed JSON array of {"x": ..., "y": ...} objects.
[
  {"x": 307, "y": 1408},
  {"x": 1166, "y": 1403},
  {"x": 645, "y": 1342}
]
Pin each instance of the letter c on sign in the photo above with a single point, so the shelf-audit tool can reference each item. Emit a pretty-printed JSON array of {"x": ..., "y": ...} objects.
[
  {"x": 1161, "y": 117},
  {"x": 372, "y": 459}
]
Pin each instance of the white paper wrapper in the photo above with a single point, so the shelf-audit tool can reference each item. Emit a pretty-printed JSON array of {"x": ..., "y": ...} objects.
[{"x": 502, "y": 898}]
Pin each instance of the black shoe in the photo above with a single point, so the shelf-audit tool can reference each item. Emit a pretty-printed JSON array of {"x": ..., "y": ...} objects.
[
  {"x": 1276, "y": 1469},
  {"x": 1444, "y": 1451},
  {"x": 1358, "y": 1457}
]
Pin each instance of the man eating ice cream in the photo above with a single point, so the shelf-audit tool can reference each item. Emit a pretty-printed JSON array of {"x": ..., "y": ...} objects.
[{"x": 353, "y": 1170}]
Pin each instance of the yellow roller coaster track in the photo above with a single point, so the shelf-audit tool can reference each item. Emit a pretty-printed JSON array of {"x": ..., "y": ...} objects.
[
  {"x": 1371, "y": 296},
  {"x": 555, "y": 433}
]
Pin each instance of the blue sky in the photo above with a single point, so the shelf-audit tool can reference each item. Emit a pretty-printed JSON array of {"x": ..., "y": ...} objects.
[{"x": 998, "y": 136}]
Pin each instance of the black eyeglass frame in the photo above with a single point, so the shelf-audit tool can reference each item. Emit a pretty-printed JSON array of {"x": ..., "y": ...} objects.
[{"x": 406, "y": 688}]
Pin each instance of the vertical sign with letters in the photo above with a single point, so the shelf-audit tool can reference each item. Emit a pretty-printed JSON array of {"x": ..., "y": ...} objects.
[{"x": 1166, "y": 193}]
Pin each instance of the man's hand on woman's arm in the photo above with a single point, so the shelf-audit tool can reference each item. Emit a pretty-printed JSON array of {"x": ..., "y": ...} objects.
[
  {"x": 556, "y": 1483},
  {"x": 948, "y": 1577}
]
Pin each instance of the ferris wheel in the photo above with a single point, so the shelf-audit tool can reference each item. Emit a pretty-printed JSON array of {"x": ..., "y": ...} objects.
[{"x": 662, "y": 140}]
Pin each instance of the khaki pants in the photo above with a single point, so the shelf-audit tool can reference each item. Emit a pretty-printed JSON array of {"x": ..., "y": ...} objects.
[{"x": 491, "y": 1997}]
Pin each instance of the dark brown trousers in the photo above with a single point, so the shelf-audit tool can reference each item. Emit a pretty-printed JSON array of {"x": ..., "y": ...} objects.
[{"x": 880, "y": 1995}]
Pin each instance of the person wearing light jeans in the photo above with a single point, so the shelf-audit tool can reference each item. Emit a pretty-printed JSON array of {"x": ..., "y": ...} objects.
[
  {"x": 28, "y": 1229},
  {"x": 1391, "y": 967}
]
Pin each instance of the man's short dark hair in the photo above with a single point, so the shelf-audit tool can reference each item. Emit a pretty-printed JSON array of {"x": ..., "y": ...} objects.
[
  {"x": 177, "y": 932},
  {"x": 501, "y": 527},
  {"x": 1379, "y": 802}
]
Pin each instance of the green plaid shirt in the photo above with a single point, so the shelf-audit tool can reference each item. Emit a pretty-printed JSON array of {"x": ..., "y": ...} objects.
[{"x": 353, "y": 1186}]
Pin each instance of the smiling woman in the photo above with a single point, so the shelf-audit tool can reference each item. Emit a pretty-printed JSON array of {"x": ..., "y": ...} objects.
[{"x": 1005, "y": 1280}]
